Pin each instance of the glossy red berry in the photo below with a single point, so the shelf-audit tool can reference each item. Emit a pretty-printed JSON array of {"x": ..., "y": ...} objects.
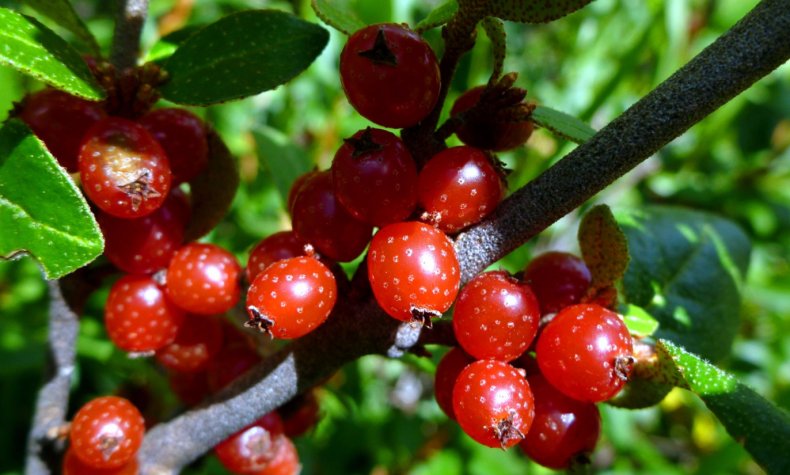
[
  {"x": 183, "y": 137},
  {"x": 249, "y": 450},
  {"x": 413, "y": 271},
  {"x": 320, "y": 220},
  {"x": 60, "y": 120},
  {"x": 123, "y": 169},
  {"x": 493, "y": 403},
  {"x": 107, "y": 432},
  {"x": 72, "y": 465},
  {"x": 496, "y": 317},
  {"x": 296, "y": 187},
  {"x": 138, "y": 315},
  {"x": 586, "y": 352},
  {"x": 203, "y": 279},
  {"x": 278, "y": 246},
  {"x": 564, "y": 431},
  {"x": 285, "y": 461},
  {"x": 291, "y": 297},
  {"x": 458, "y": 187},
  {"x": 375, "y": 177},
  {"x": 485, "y": 132},
  {"x": 231, "y": 362},
  {"x": 559, "y": 279},
  {"x": 447, "y": 371},
  {"x": 199, "y": 339},
  {"x": 390, "y": 75}
]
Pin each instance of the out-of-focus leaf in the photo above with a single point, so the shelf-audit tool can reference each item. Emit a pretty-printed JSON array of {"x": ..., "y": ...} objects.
[
  {"x": 62, "y": 13},
  {"x": 531, "y": 11},
  {"x": 563, "y": 125},
  {"x": 41, "y": 210},
  {"x": 241, "y": 55},
  {"x": 438, "y": 16},
  {"x": 34, "y": 49},
  {"x": 640, "y": 323},
  {"x": 168, "y": 44},
  {"x": 284, "y": 160},
  {"x": 604, "y": 247},
  {"x": 339, "y": 17}
]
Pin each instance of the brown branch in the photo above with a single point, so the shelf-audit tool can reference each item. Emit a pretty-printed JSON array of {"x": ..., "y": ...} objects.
[{"x": 129, "y": 19}]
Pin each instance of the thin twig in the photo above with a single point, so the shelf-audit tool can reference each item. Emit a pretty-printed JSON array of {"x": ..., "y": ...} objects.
[{"x": 129, "y": 19}]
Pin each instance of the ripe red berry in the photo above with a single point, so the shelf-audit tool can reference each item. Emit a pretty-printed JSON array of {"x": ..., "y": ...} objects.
[
  {"x": 285, "y": 461},
  {"x": 138, "y": 316},
  {"x": 320, "y": 220},
  {"x": 291, "y": 297},
  {"x": 60, "y": 120},
  {"x": 564, "y": 430},
  {"x": 72, "y": 465},
  {"x": 296, "y": 187},
  {"x": 231, "y": 362},
  {"x": 413, "y": 271},
  {"x": 249, "y": 450},
  {"x": 586, "y": 352},
  {"x": 390, "y": 75},
  {"x": 278, "y": 246},
  {"x": 458, "y": 187},
  {"x": 190, "y": 388},
  {"x": 203, "y": 279},
  {"x": 375, "y": 177},
  {"x": 485, "y": 132},
  {"x": 493, "y": 403},
  {"x": 198, "y": 340},
  {"x": 107, "y": 432},
  {"x": 183, "y": 137},
  {"x": 496, "y": 317},
  {"x": 559, "y": 279},
  {"x": 447, "y": 371},
  {"x": 300, "y": 414},
  {"x": 123, "y": 169}
]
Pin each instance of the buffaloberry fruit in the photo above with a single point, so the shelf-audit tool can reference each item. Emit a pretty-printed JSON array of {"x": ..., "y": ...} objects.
[
  {"x": 198, "y": 340},
  {"x": 183, "y": 137},
  {"x": 447, "y": 371},
  {"x": 190, "y": 388},
  {"x": 278, "y": 246},
  {"x": 107, "y": 432},
  {"x": 285, "y": 461},
  {"x": 300, "y": 414},
  {"x": 72, "y": 465},
  {"x": 249, "y": 450},
  {"x": 231, "y": 362},
  {"x": 296, "y": 187},
  {"x": 559, "y": 279},
  {"x": 485, "y": 132},
  {"x": 203, "y": 279}
]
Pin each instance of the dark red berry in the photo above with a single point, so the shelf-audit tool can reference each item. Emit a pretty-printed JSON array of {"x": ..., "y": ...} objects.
[
  {"x": 320, "y": 220},
  {"x": 493, "y": 403},
  {"x": 413, "y": 271},
  {"x": 300, "y": 414},
  {"x": 107, "y": 432},
  {"x": 559, "y": 279},
  {"x": 586, "y": 352},
  {"x": 496, "y": 317},
  {"x": 291, "y": 297},
  {"x": 249, "y": 450},
  {"x": 296, "y": 187},
  {"x": 198, "y": 340},
  {"x": 231, "y": 362},
  {"x": 138, "y": 315},
  {"x": 447, "y": 371},
  {"x": 190, "y": 388},
  {"x": 564, "y": 430},
  {"x": 390, "y": 75},
  {"x": 203, "y": 279},
  {"x": 285, "y": 461},
  {"x": 485, "y": 132},
  {"x": 375, "y": 177},
  {"x": 458, "y": 187},
  {"x": 123, "y": 169},
  {"x": 72, "y": 465},
  {"x": 183, "y": 137},
  {"x": 60, "y": 120},
  {"x": 278, "y": 246}
]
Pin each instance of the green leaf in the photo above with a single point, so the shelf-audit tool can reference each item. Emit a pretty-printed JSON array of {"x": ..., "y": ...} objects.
[
  {"x": 604, "y": 247},
  {"x": 762, "y": 428},
  {"x": 62, "y": 13},
  {"x": 438, "y": 16},
  {"x": 42, "y": 211},
  {"x": 531, "y": 11},
  {"x": 32, "y": 48},
  {"x": 241, "y": 55},
  {"x": 339, "y": 17},
  {"x": 284, "y": 160},
  {"x": 685, "y": 270},
  {"x": 563, "y": 125},
  {"x": 168, "y": 44},
  {"x": 640, "y": 323}
]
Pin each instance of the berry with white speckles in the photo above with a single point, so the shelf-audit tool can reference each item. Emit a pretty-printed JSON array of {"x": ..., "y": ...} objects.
[
  {"x": 586, "y": 352},
  {"x": 107, "y": 432},
  {"x": 493, "y": 403},
  {"x": 447, "y": 371},
  {"x": 183, "y": 137},
  {"x": 251, "y": 449},
  {"x": 72, "y": 465},
  {"x": 278, "y": 246},
  {"x": 496, "y": 317},
  {"x": 198, "y": 340},
  {"x": 204, "y": 279},
  {"x": 559, "y": 279}
]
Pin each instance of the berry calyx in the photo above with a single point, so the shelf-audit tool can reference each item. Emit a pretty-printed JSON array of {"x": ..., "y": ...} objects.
[
  {"x": 107, "y": 432},
  {"x": 447, "y": 371},
  {"x": 559, "y": 279},
  {"x": 182, "y": 135},
  {"x": 486, "y": 132},
  {"x": 278, "y": 246},
  {"x": 203, "y": 279}
]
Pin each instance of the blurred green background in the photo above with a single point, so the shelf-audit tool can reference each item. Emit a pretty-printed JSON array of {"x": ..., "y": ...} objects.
[{"x": 379, "y": 415}]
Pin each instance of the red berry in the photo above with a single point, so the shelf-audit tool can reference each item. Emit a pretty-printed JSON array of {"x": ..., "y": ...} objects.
[
  {"x": 190, "y": 388},
  {"x": 249, "y": 450},
  {"x": 107, "y": 432},
  {"x": 231, "y": 362},
  {"x": 138, "y": 316},
  {"x": 586, "y": 352},
  {"x": 285, "y": 461},
  {"x": 375, "y": 177},
  {"x": 203, "y": 279},
  {"x": 319, "y": 219},
  {"x": 493, "y": 403},
  {"x": 458, "y": 187},
  {"x": 183, "y": 137},
  {"x": 447, "y": 371},
  {"x": 60, "y": 120},
  {"x": 559, "y": 279},
  {"x": 278, "y": 246},
  {"x": 300, "y": 414},
  {"x": 296, "y": 187},
  {"x": 198, "y": 340},
  {"x": 496, "y": 317},
  {"x": 485, "y": 132},
  {"x": 413, "y": 271},
  {"x": 564, "y": 430},
  {"x": 390, "y": 75},
  {"x": 291, "y": 297},
  {"x": 72, "y": 465},
  {"x": 123, "y": 169}
]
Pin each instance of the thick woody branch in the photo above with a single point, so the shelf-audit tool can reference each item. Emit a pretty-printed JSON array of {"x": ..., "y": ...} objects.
[{"x": 129, "y": 19}]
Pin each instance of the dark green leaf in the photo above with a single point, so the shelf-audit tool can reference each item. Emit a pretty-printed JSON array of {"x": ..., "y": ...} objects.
[
  {"x": 532, "y": 11},
  {"x": 438, "y": 16},
  {"x": 339, "y": 17},
  {"x": 30, "y": 47},
  {"x": 284, "y": 160},
  {"x": 168, "y": 44},
  {"x": 685, "y": 270},
  {"x": 241, "y": 55},
  {"x": 563, "y": 125},
  {"x": 41, "y": 210},
  {"x": 604, "y": 247},
  {"x": 62, "y": 13}
]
